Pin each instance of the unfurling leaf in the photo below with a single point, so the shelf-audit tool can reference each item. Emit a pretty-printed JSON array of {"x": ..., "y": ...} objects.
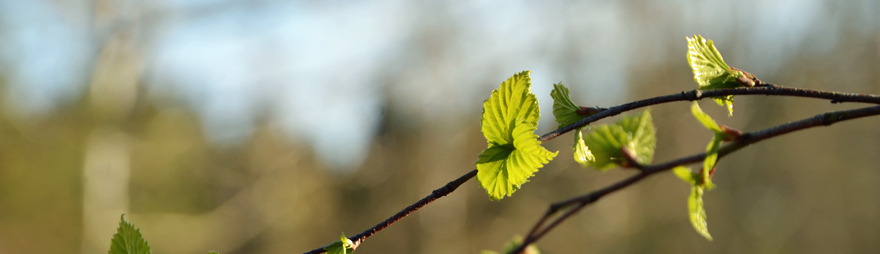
[
  {"x": 711, "y": 72},
  {"x": 566, "y": 112},
  {"x": 635, "y": 133},
  {"x": 582, "y": 153},
  {"x": 509, "y": 120},
  {"x": 128, "y": 240},
  {"x": 697, "y": 212},
  {"x": 704, "y": 118},
  {"x": 343, "y": 246}
]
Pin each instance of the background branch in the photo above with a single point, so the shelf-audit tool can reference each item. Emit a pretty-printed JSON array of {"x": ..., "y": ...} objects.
[
  {"x": 768, "y": 89},
  {"x": 747, "y": 139}
]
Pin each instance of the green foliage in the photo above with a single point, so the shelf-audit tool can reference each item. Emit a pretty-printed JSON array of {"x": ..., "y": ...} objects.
[
  {"x": 213, "y": 252},
  {"x": 636, "y": 134},
  {"x": 696, "y": 212},
  {"x": 565, "y": 112},
  {"x": 343, "y": 246},
  {"x": 513, "y": 244},
  {"x": 714, "y": 144},
  {"x": 702, "y": 181},
  {"x": 582, "y": 153},
  {"x": 704, "y": 118},
  {"x": 710, "y": 71},
  {"x": 128, "y": 240},
  {"x": 509, "y": 120}
]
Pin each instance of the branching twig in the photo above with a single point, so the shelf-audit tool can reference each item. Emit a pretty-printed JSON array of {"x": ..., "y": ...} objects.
[
  {"x": 580, "y": 202},
  {"x": 693, "y": 95}
]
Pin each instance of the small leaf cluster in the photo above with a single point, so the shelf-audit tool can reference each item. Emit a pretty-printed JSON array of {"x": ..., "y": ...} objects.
[
  {"x": 509, "y": 120},
  {"x": 702, "y": 181},
  {"x": 343, "y": 246},
  {"x": 628, "y": 143},
  {"x": 711, "y": 72}
]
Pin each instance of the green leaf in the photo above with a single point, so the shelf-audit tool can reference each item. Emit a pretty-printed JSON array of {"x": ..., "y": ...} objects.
[
  {"x": 564, "y": 110},
  {"x": 704, "y": 118},
  {"x": 510, "y": 118},
  {"x": 343, "y": 246},
  {"x": 697, "y": 212},
  {"x": 516, "y": 242},
  {"x": 711, "y": 159},
  {"x": 582, "y": 153},
  {"x": 128, "y": 240},
  {"x": 213, "y": 252},
  {"x": 710, "y": 71},
  {"x": 686, "y": 175},
  {"x": 513, "y": 244},
  {"x": 636, "y": 134}
]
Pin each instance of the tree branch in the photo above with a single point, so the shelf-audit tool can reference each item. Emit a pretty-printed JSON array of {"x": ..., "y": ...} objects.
[
  {"x": 747, "y": 139},
  {"x": 693, "y": 95}
]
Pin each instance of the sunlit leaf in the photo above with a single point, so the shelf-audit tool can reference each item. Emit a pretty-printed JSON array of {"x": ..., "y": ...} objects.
[
  {"x": 704, "y": 118},
  {"x": 635, "y": 133},
  {"x": 213, "y": 252},
  {"x": 582, "y": 153},
  {"x": 711, "y": 159},
  {"x": 128, "y": 240},
  {"x": 710, "y": 71},
  {"x": 686, "y": 175},
  {"x": 564, "y": 110},
  {"x": 510, "y": 118},
  {"x": 697, "y": 213},
  {"x": 343, "y": 246}
]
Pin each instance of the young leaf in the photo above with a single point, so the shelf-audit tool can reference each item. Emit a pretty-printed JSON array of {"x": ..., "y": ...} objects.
[
  {"x": 706, "y": 62},
  {"x": 704, "y": 118},
  {"x": 711, "y": 72},
  {"x": 343, "y": 246},
  {"x": 711, "y": 159},
  {"x": 128, "y": 240},
  {"x": 564, "y": 110},
  {"x": 686, "y": 175},
  {"x": 582, "y": 153},
  {"x": 697, "y": 213},
  {"x": 510, "y": 118},
  {"x": 636, "y": 134}
]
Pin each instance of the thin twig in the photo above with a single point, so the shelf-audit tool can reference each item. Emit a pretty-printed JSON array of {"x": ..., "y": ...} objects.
[
  {"x": 769, "y": 89},
  {"x": 747, "y": 139},
  {"x": 438, "y": 193},
  {"x": 694, "y": 95}
]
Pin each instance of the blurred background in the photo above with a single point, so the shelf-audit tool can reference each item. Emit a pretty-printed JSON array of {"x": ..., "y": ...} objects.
[{"x": 272, "y": 126}]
